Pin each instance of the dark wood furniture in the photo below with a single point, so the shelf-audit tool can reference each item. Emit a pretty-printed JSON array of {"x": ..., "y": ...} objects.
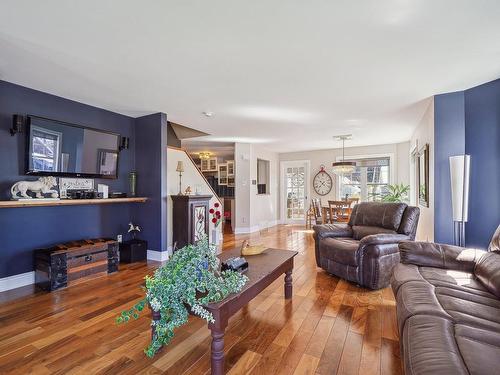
[
  {"x": 65, "y": 264},
  {"x": 263, "y": 269},
  {"x": 190, "y": 218},
  {"x": 133, "y": 251}
]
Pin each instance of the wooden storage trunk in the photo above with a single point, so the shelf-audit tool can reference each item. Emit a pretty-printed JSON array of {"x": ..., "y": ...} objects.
[{"x": 65, "y": 264}]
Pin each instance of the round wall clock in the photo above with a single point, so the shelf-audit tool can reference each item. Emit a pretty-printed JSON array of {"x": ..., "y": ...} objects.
[{"x": 322, "y": 182}]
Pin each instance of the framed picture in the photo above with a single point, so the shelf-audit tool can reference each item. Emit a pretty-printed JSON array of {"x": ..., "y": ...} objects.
[
  {"x": 107, "y": 162},
  {"x": 423, "y": 176}
]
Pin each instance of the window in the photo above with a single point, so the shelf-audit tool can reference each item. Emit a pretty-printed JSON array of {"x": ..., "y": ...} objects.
[
  {"x": 263, "y": 176},
  {"x": 45, "y": 149},
  {"x": 368, "y": 182}
]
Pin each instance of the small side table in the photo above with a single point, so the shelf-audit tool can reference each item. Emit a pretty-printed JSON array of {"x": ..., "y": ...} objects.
[{"x": 133, "y": 251}]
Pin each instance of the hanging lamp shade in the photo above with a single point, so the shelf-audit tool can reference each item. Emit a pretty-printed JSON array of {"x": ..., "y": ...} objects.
[{"x": 344, "y": 166}]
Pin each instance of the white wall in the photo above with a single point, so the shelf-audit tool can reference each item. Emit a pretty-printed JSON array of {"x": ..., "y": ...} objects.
[
  {"x": 254, "y": 211},
  {"x": 399, "y": 153},
  {"x": 190, "y": 177},
  {"x": 264, "y": 210},
  {"x": 424, "y": 133}
]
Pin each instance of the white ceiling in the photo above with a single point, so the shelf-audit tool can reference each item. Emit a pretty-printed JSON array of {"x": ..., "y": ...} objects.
[{"x": 288, "y": 74}]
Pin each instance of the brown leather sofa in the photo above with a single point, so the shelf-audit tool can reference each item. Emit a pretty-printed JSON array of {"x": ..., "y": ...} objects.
[
  {"x": 365, "y": 250},
  {"x": 448, "y": 308}
]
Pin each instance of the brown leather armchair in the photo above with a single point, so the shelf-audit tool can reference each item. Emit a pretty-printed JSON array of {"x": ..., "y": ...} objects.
[{"x": 365, "y": 250}]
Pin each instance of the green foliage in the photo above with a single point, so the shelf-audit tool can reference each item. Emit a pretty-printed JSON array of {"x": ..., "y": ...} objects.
[
  {"x": 397, "y": 193},
  {"x": 188, "y": 281}
]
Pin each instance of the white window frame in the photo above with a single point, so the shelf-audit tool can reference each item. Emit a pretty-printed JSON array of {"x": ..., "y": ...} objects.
[
  {"x": 392, "y": 166},
  {"x": 57, "y": 153}
]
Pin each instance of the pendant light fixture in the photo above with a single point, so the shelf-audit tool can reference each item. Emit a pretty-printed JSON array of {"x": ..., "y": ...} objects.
[{"x": 343, "y": 167}]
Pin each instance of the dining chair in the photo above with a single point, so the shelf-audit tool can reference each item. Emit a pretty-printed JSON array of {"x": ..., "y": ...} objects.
[
  {"x": 339, "y": 211},
  {"x": 316, "y": 208},
  {"x": 353, "y": 201}
]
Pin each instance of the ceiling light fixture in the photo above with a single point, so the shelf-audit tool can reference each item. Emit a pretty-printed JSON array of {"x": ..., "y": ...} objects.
[
  {"x": 205, "y": 155},
  {"x": 342, "y": 167},
  {"x": 208, "y": 113}
]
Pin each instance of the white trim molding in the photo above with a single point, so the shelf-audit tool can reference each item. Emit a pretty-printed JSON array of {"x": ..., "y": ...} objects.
[
  {"x": 256, "y": 228},
  {"x": 158, "y": 256},
  {"x": 17, "y": 281}
]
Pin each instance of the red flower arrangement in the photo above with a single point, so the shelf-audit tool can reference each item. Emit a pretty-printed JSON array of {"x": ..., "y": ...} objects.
[{"x": 216, "y": 214}]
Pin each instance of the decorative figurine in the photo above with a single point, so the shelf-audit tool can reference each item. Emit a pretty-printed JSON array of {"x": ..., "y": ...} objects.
[
  {"x": 246, "y": 249},
  {"x": 134, "y": 229},
  {"x": 188, "y": 191},
  {"x": 40, "y": 187}
]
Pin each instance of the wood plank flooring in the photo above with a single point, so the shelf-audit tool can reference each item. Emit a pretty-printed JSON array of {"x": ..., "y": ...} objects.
[{"x": 329, "y": 327}]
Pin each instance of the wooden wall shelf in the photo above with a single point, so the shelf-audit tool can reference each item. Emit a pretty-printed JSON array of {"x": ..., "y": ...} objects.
[{"x": 68, "y": 202}]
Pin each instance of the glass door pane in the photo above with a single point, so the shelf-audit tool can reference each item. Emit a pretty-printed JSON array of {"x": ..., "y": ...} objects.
[{"x": 295, "y": 192}]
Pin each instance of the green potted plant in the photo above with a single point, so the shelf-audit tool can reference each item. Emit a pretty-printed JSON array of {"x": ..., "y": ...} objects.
[
  {"x": 188, "y": 281},
  {"x": 397, "y": 193}
]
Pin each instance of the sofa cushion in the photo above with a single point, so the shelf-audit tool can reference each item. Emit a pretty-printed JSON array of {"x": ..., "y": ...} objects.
[
  {"x": 417, "y": 298},
  {"x": 360, "y": 231},
  {"x": 453, "y": 279},
  {"x": 487, "y": 271},
  {"x": 340, "y": 250},
  {"x": 480, "y": 349},
  {"x": 374, "y": 214},
  {"x": 429, "y": 347}
]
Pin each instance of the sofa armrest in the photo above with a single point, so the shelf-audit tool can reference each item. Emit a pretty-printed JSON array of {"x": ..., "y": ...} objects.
[
  {"x": 382, "y": 239},
  {"x": 429, "y": 254},
  {"x": 332, "y": 230}
]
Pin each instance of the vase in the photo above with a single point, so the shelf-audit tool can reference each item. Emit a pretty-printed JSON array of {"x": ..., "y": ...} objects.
[{"x": 133, "y": 183}]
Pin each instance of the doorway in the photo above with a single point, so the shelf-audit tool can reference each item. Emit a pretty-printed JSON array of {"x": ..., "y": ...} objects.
[{"x": 294, "y": 191}]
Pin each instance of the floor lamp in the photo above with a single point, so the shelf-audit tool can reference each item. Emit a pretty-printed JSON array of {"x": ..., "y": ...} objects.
[{"x": 459, "y": 176}]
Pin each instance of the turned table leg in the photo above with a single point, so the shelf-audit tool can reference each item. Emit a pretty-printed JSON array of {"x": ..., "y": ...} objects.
[
  {"x": 288, "y": 284},
  {"x": 217, "y": 352}
]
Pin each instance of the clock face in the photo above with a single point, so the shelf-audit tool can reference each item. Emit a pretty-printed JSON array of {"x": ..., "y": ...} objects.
[{"x": 322, "y": 183}]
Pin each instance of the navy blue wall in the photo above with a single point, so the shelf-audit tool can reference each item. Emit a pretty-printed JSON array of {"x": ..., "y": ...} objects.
[
  {"x": 24, "y": 229},
  {"x": 449, "y": 139},
  {"x": 482, "y": 143},
  {"x": 469, "y": 122},
  {"x": 151, "y": 166}
]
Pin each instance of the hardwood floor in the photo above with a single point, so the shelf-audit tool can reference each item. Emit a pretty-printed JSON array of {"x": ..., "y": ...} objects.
[{"x": 329, "y": 327}]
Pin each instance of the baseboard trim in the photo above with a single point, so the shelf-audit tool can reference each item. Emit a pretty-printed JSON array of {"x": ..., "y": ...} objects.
[
  {"x": 17, "y": 281},
  {"x": 158, "y": 256},
  {"x": 255, "y": 228}
]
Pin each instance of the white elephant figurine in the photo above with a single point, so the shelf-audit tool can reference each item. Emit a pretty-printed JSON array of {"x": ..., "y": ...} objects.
[{"x": 40, "y": 187}]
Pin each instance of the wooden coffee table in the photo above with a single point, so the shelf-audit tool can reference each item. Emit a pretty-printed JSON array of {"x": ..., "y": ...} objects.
[{"x": 263, "y": 269}]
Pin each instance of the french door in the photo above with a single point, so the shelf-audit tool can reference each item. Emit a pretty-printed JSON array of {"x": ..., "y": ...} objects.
[{"x": 294, "y": 191}]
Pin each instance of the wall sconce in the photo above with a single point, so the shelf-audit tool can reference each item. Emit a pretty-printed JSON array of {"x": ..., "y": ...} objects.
[
  {"x": 124, "y": 143},
  {"x": 18, "y": 124}
]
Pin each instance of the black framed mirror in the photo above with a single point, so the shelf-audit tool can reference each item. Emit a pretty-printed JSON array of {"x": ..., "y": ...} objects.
[{"x": 423, "y": 175}]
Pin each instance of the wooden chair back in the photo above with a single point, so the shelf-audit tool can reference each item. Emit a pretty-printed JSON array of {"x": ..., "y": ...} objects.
[
  {"x": 339, "y": 211},
  {"x": 316, "y": 207},
  {"x": 353, "y": 201}
]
